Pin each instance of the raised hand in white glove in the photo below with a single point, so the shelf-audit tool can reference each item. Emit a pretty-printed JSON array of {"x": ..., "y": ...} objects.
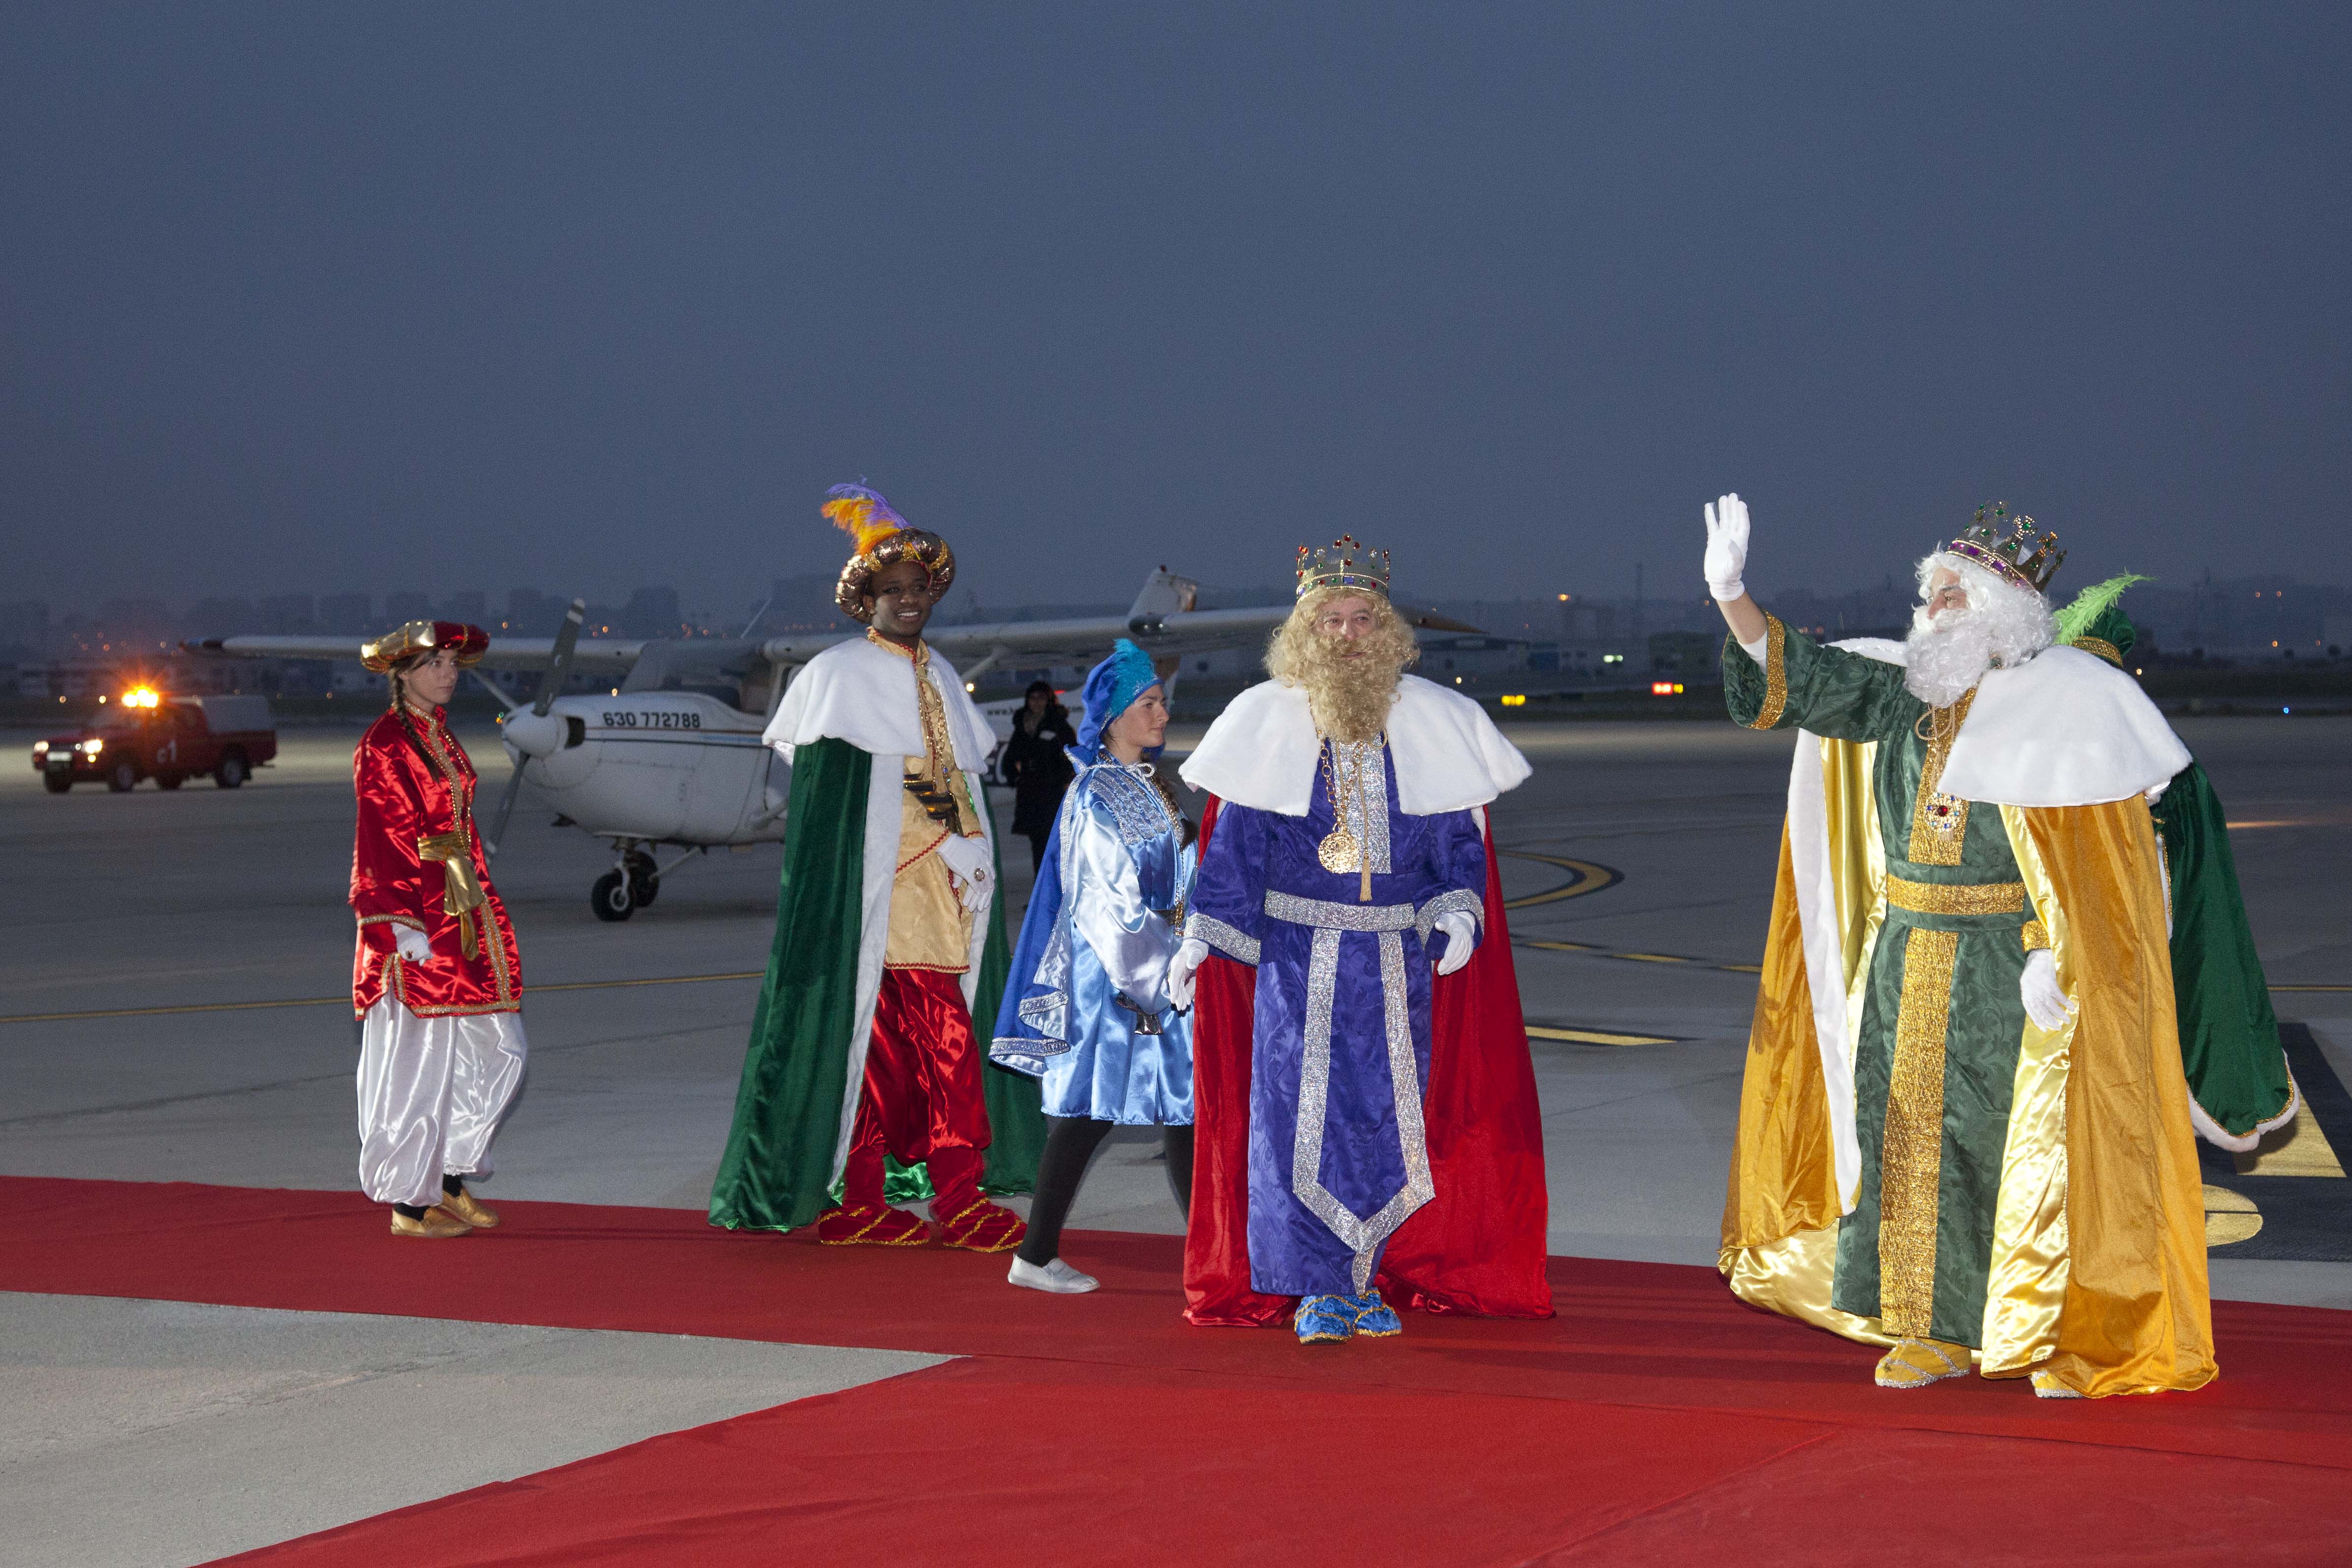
[
  {"x": 1190, "y": 955},
  {"x": 413, "y": 944},
  {"x": 970, "y": 863},
  {"x": 1461, "y": 934},
  {"x": 2045, "y": 1003},
  {"x": 1727, "y": 547}
]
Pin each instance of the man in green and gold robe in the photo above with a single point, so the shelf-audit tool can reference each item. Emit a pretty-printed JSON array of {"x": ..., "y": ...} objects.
[
  {"x": 864, "y": 1085},
  {"x": 1963, "y": 1129}
]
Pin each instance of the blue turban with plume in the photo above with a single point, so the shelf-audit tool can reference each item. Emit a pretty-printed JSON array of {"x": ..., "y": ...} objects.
[{"x": 1111, "y": 690}]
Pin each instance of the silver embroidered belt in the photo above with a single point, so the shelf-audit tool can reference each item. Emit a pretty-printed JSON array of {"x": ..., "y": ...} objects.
[
  {"x": 1362, "y": 1236},
  {"x": 1324, "y": 915}
]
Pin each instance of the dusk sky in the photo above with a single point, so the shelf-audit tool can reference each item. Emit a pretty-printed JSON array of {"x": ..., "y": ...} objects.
[{"x": 327, "y": 298}]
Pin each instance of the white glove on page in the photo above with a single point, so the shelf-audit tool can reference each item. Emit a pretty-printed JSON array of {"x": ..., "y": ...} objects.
[
  {"x": 1460, "y": 932},
  {"x": 411, "y": 945},
  {"x": 2045, "y": 1003},
  {"x": 1190, "y": 956},
  {"x": 970, "y": 863},
  {"x": 1727, "y": 547}
]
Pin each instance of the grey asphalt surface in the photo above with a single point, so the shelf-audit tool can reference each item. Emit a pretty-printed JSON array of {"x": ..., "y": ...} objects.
[{"x": 207, "y": 896}]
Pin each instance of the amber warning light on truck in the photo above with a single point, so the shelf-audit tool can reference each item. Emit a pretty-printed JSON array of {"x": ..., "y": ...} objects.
[{"x": 140, "y": 697}]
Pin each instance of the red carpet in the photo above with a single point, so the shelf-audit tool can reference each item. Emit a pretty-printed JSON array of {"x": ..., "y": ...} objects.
[{"x": 1653, "y": 1414}]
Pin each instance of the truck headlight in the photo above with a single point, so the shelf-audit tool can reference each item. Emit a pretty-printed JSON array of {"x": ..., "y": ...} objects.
[{"x": 93, "y": 747}]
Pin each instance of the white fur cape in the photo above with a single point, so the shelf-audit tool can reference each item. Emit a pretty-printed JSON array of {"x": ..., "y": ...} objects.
[{"x": 1263, "y": 751}]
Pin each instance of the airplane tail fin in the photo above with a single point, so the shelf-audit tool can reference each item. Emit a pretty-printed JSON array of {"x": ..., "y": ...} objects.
[{"x": 1164, "y": 593}]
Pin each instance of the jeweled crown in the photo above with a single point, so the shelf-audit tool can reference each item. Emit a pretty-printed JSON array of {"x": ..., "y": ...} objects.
[
  {"x": 2008, "y": 545},
  {"x": 1343, "y": 564}
]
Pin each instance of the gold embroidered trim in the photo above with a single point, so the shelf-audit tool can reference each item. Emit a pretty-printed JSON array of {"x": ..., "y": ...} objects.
[
  {"x": 411, "y": 921},
  {"x": 2103, "y": 648},
  {"x": 1776, "y": 675},
  {"x": 457, "y": 771},
  {"x": 1956, "y": 898},
  {"x": 1939, "y": 822},
  {"x": 2036, "y": 937},
  {"x": 1911, "y": 1164}
]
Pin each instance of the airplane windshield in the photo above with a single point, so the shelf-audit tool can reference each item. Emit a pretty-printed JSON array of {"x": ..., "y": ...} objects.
[{"x": 727, "y": 668}]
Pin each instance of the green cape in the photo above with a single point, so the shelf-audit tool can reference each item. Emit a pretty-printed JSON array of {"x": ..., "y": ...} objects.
[{"x": 778, "y": 1171}]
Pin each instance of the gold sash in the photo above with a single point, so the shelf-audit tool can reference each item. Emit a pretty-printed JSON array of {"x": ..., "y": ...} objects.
[{"x": 461, "y": 891}]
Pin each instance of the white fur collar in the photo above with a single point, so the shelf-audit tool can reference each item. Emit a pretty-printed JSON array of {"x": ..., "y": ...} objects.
[
  {"x": 2065, "y": 728},
  {"x": 858, "y": 692},
  {"x": 1263, "y": 751}
]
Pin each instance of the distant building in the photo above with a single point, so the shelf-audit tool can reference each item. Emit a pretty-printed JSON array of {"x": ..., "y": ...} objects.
[
  {"x": 1687, "y": 654},
  {"x": 353, "y": 613},
  {"x": 407, "y": 606}
]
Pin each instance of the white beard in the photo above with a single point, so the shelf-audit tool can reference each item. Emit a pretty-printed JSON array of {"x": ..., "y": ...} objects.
[{"x": 1943, "y": 658}]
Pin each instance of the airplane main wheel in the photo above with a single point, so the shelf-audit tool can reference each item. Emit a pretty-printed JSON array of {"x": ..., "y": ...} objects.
[
  {"x": 645, "y": 882},
  {"x": 610, "y": 899}
]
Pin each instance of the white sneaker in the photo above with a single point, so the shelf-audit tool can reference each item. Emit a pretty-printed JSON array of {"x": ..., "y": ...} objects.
[{"x": 1056, "y": 1276}]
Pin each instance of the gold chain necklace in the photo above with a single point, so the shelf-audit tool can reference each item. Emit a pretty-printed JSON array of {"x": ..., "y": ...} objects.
[{"x": 1340, "y": 849}]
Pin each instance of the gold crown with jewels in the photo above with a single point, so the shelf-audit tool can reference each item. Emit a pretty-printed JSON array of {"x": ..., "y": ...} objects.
[
  {"x": 1342, "y": 563},
  {"x": 2020, "y": 556}
]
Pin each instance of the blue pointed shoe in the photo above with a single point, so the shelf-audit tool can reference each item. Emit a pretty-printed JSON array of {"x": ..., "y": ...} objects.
[
  {"x": 1324, "y": 1320},
  {"x": 1375, "y": 1319}
]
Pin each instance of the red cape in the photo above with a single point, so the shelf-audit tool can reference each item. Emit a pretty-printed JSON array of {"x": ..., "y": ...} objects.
[{"x": 1478, "y": 1246}]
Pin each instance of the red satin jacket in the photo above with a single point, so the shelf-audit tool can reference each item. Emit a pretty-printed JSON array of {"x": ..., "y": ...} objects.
[{"x": 416, "y": 862}]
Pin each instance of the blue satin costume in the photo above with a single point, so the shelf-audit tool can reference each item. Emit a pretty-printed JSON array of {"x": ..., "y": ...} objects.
[
  {"x": 1092, "y": 964},
  {"x": 1340, "y": 1057}
]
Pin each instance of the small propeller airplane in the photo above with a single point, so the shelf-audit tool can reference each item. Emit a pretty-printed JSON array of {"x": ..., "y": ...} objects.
[{"x": 669, "y": 756}]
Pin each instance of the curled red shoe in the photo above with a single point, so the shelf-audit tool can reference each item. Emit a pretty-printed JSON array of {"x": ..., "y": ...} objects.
[
  {"x": 870, "y": 1225},
  {"x": 983, "y": 1226}
]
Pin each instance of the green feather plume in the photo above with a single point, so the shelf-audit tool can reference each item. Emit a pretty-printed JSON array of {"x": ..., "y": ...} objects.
[{"x": 2092, "y": 602}]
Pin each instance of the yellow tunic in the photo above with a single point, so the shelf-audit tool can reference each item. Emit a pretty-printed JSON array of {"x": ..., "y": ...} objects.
[{"x": 930, "y": 926}]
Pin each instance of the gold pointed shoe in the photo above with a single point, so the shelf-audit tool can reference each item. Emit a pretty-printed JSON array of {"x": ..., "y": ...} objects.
[
  {"x": 2047, "y": 1386},
  {"x": 471, "y": 1210},
  {"x": 437, "y": 1224},
  {"x": 1915, "y": 1364}
]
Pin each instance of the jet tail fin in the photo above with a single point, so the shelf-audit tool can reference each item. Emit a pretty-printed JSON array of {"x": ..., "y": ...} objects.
[{"x": 1164, "y": 593}]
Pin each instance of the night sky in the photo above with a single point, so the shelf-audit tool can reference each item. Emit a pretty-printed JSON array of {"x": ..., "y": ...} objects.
[{"x": 330, "y": 297}]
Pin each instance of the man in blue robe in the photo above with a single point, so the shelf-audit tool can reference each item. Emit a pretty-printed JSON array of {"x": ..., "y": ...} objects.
[{"x": 1349, "y": 857}]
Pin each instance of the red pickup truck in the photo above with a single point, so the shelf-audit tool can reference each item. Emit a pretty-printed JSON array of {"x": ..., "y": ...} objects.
[{"x": 166, "y": 739}]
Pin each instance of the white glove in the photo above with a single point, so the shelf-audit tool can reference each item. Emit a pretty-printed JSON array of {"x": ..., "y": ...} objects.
[
  {"x": 1190, "y": 956},
  {"x": 970, "y": 863},
  {"x": 413, "y": 944},
  {"x": 2045, "y": 1003},
  {"x": 1461, "y": 931},
  {"x": 1727, "y": 547}
]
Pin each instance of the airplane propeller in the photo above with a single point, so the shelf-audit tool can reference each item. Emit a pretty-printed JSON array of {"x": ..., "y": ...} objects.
[{"x": 527, "y": 730}]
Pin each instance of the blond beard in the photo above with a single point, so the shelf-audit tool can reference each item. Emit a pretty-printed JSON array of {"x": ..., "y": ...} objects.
[{"x": 1349, "y": 697}]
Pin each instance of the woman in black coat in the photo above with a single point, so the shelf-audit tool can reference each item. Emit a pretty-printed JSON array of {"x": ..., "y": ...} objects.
[{"x": 1036, "y": 769}]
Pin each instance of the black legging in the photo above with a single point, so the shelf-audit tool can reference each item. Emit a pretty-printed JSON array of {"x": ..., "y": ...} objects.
[
  {"x": 1037, "y": 849},
  {"x": 1070, "y": 1142}
]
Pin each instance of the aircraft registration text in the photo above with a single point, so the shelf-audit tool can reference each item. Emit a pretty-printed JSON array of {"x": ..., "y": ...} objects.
[{"x": 652, "y": 720}]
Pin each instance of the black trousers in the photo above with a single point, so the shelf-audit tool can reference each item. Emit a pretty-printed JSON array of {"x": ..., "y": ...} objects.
[{"x": 1070, "y": 1143}]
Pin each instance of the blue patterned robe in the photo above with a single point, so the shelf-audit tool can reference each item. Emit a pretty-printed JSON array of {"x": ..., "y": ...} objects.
[
  {"x": 1339, "y": 1056},
  {"x": 1086, "y": 1008}
]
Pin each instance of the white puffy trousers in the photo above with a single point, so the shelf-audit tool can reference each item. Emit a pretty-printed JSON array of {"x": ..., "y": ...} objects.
[{"x": 432, "y": 1093}]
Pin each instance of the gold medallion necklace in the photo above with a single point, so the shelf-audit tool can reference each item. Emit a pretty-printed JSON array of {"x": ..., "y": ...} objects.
[{"x": 1340, "y": 849}]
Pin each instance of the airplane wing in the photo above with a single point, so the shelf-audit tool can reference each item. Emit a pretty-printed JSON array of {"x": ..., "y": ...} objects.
[{"x": 610, "y": 655}]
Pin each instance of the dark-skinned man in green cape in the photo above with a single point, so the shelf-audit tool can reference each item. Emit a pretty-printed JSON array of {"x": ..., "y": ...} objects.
[{"x": 865, "y": 1080}]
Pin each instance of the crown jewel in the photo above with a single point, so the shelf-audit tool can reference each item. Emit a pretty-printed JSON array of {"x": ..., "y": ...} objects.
[
  {"x": 2021, "y": 555},
  {"x": 1343, "y": 564}
]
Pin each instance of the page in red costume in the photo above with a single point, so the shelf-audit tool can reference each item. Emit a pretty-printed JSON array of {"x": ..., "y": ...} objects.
[{"x": 1478, "y": 1246}]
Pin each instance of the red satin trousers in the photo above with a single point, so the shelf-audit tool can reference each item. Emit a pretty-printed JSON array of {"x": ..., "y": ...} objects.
[{"x": 921, "y": 1101}]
